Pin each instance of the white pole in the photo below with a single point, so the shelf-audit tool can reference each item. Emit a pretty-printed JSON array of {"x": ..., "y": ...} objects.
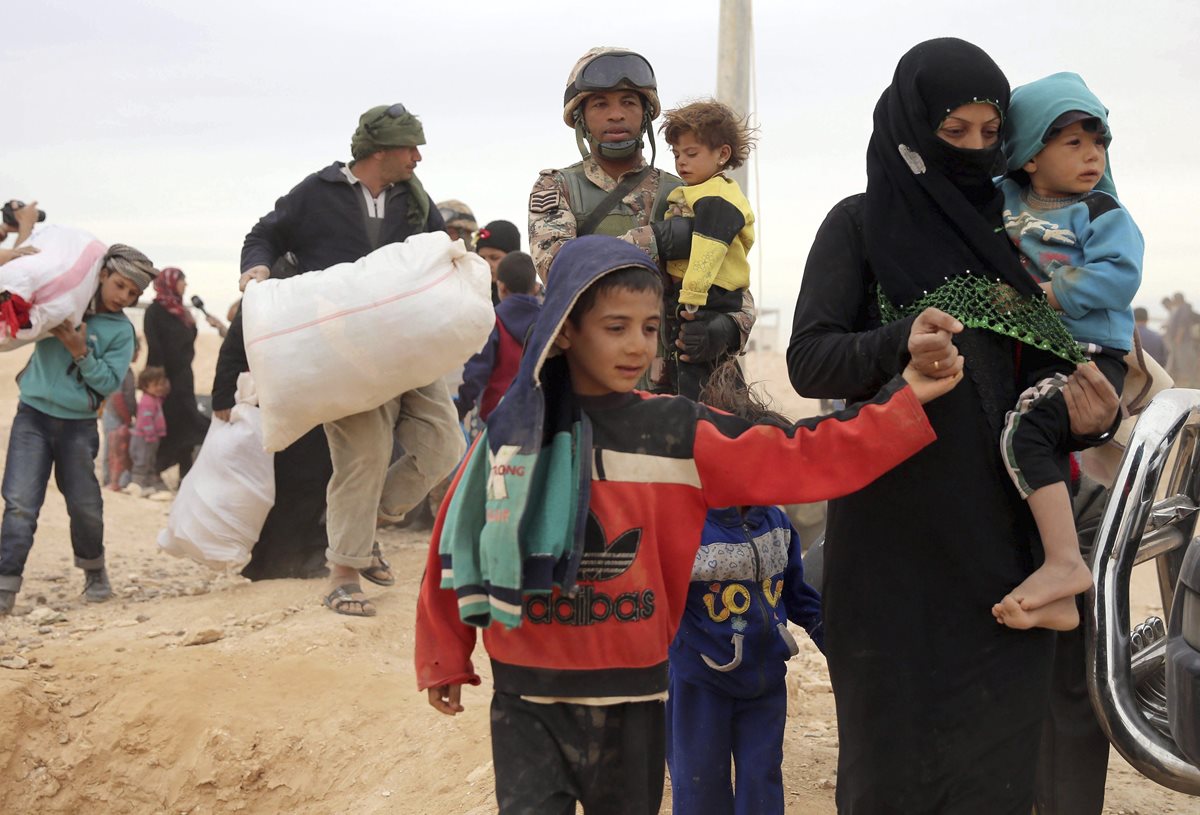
[{"x": 733, "y": 63}]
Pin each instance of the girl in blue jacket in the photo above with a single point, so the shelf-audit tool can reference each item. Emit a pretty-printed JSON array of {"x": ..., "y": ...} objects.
[
  {"x": 727, "y": 697},
  {"x": 67, "y": 379}
]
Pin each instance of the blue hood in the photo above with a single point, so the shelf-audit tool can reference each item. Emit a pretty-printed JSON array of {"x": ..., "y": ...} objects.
[
  {"x": 1035, "y": 106},
  {"x": 519, "y": 418}
]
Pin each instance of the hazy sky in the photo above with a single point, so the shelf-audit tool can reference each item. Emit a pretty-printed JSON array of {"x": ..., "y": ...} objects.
[{"x": 174, "y": 126}]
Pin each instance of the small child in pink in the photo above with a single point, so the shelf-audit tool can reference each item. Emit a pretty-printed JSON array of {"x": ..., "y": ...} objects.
[{"x": 149, "y": 428}]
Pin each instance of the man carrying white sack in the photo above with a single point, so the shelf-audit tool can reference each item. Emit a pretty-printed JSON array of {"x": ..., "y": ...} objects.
[{"x": 338, "y": 215}]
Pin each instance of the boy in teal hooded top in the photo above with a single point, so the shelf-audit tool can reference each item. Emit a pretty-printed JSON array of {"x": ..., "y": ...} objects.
[
  {"x": 1084, "y": 250},
  {"x": 67, "y": 379}
]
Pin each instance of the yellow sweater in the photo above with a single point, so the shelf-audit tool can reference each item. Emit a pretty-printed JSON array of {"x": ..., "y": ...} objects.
[{"x": 721, "y": 238}]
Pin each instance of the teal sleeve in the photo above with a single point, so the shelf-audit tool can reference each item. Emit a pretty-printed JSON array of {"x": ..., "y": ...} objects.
[
  {"x": 1111, "y": 270},
  {"x": 103, "y": 368}
]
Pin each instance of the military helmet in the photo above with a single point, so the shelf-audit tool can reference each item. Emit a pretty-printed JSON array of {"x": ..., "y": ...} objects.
[
  {"x": 608, "y": 69},
  {"x": 456, "y": 213}
]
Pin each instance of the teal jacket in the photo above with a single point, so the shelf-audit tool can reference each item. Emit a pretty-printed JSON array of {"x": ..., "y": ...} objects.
[{"x": 58, "y": 386}]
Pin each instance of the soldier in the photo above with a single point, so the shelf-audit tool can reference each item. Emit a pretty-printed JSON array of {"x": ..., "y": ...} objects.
[
  {"x": 460, "y": 221},
  {"x": 610, "y": 102}
]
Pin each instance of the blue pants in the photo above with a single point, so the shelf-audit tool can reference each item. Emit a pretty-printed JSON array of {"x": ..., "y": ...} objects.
[
  {"x": 36, "y": 443},
  {"x": 705, "y": 729}
]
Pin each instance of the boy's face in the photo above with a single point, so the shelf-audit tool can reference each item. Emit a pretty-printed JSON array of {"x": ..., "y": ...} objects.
[
  {"x": 117, "y": 292},
  {"x": 614, "y": 342},
  {"x": 1071, "y": 163},
  {"x": 696, "y": 162}
]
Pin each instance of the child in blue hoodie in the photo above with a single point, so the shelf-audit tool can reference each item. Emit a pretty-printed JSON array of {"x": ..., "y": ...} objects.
[
  {"x": 1084, "y": 249},
  {"x": 62, "y": 388},
  {"x": 727, "y": 695},
  {"x": 487, "y": 375}
]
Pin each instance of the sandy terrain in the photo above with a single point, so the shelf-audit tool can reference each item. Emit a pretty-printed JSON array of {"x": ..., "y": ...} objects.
[{"x": 290, "y": 708}]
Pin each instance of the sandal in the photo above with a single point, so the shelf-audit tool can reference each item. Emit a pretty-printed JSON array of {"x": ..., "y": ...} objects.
[
  {"x": 342, "y": 601},
  {"x": 380, "y": 571}
]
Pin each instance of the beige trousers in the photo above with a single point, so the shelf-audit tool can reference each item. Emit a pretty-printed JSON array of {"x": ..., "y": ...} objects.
[{"x": 424, "y": 422}]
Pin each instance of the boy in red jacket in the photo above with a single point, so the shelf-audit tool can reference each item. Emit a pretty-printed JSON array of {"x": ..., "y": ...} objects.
[{"x": 575, "y": 520}]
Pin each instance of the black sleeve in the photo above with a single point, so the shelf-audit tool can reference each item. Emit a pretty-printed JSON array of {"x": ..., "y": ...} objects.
[
  {"x": 156, "y": 340},
  {"x": 837, "y": 348},
  {"x": 269, "y": 238},
  {"x": 231, "y": 361}
]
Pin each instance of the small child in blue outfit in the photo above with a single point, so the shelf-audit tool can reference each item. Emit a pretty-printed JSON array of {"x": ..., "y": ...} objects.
[
  {"x": 67, "y": 379},
  {"x": 1079, "y": 242},
  {"x": 727, "y": 697}
]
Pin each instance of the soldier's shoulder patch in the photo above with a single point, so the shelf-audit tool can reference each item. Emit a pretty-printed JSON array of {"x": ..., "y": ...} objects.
[{"x": 544, "y": 200}]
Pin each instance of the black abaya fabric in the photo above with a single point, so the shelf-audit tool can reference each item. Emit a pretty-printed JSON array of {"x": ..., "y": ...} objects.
[
  {"x": 172, "y": 345},
  {"x": 932, "y": 210},
  {"x": 293, "y": 538},
  {"x": 939, "y": 708}
]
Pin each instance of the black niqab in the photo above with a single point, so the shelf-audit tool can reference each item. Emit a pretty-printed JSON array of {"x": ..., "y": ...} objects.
[{"x": 932, "y": 210}]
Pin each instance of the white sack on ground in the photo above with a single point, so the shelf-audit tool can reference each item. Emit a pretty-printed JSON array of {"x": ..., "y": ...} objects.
[
  {"x": 332, "y": 343},
  {"x": 58, "y": 282},
  {"x": 224, "y": 500}
]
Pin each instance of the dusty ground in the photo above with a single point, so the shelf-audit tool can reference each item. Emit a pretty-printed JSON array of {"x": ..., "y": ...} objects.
[{"x": 290, "y": 708}]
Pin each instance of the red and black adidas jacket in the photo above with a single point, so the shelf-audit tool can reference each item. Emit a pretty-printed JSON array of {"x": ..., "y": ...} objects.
[{"x": 658, "y": 465}]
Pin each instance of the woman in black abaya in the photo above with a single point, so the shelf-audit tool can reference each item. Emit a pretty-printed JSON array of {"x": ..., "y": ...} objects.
[
  {"x": 939, "y": 708},
  {"x": 170, "y": 333}
]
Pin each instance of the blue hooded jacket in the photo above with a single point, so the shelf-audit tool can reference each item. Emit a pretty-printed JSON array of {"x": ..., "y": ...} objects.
[
  {"x": 1087, "y": 247},
  {"x": 517, "y": 520},
  {"x": 747, "y": 582}
]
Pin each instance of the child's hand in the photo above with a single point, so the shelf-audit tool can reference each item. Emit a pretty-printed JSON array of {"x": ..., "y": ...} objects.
[
  {"x": 926, "y": 388},
  {"x": 73, "y": 339},
  {"x": 446, "y": 699}
]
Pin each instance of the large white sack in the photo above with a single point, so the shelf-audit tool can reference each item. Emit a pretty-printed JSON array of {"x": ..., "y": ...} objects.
[
  {"x": 332, "y": 343},
  {"x": 58, "y": 282},
  {"x": 222, "y": 503}
]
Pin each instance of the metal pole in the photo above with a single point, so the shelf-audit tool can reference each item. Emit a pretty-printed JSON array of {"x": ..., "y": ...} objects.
[{"x": 733, "y": 64}]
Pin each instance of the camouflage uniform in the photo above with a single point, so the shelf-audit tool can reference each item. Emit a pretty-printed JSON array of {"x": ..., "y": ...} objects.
[{"x": 553, "y": 222}]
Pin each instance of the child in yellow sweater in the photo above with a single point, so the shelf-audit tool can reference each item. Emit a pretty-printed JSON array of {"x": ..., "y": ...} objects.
[{"x": 707, "y": 139}]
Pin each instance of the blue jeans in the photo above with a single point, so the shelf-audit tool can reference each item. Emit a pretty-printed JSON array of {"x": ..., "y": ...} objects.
[{"x": 36, "y": 443}]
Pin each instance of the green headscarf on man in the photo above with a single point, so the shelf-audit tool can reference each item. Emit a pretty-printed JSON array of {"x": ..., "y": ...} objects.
[{"x": 386, "y": 127}]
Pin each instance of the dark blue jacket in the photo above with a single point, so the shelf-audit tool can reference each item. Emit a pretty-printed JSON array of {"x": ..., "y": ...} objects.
[
  {"x": 323, "y": 222},
  {"x": 747, "y": 582},
  {"x": 514, "y": 314}
]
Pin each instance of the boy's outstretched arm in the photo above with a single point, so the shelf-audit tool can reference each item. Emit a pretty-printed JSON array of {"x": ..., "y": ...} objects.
[{"x": 815, "y": 459}]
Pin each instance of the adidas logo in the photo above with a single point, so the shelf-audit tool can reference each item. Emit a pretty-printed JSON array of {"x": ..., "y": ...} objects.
[{"x": 605, "y": 560}]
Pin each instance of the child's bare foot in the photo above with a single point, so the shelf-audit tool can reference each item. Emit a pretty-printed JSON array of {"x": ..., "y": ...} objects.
[
  {"x": 1053, "y": 580},
  {"x": 1060, "y": 615}
]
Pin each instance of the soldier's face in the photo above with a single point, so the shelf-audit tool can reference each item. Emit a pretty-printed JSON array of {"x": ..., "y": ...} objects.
[{"x": 613, "y": 116}]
